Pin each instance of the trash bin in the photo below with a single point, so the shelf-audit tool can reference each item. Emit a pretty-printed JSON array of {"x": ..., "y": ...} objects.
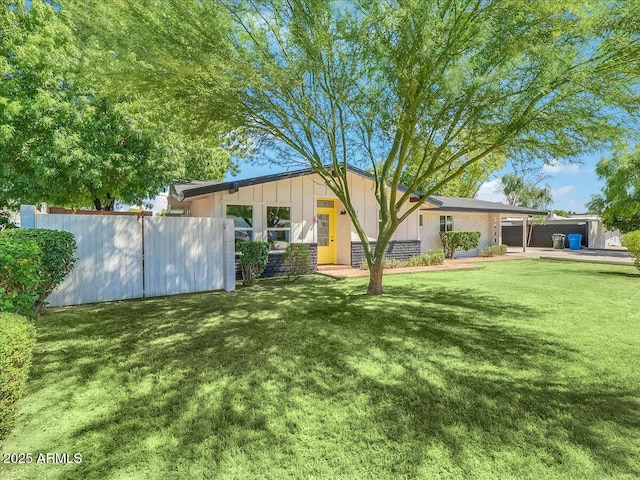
[
  {"x": 575, "y": 239},
  {"x": 558, "y": 240}
]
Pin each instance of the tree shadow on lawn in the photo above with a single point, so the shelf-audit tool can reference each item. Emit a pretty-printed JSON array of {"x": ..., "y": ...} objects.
[{"x": 195, "y": 385}]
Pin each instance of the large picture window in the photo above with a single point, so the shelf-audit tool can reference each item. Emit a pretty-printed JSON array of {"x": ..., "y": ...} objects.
[
  {"x": 446, "y": 223},
  {"x": 279, "y": 227},
  {"x": 242, "y": 216}
]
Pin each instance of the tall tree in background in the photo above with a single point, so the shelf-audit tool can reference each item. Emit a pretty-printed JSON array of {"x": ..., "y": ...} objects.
[
  {"x": 619, "y": 204},
  {"x": 526, "y": 192},
  {"x": 434, "y": 86},
  {"x": 64, "y": 142}
]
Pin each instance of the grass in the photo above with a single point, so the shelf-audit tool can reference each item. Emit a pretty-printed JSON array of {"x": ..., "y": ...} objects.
[{"x": 523, "y": 369}]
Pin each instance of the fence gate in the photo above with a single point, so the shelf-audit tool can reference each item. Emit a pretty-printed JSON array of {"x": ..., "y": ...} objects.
[{"x": 182, "y": 255}]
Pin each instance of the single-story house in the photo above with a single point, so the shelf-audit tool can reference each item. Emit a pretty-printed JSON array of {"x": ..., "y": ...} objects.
[
  {"x": 439, "y": 214},
  {"x": 298, "y": 207}
]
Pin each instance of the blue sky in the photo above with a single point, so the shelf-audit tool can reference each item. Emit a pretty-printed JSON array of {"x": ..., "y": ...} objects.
[{"x": 572, "y": 184}]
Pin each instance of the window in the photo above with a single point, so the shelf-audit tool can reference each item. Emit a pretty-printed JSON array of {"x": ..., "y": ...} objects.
[
  {"x": 326, "y": 204},
  {"x": 242, "y": 216},
  {"x": 279, "y": 227},
  {"x": 446, "y": 223},
  {"x": 421, "y": 221}
]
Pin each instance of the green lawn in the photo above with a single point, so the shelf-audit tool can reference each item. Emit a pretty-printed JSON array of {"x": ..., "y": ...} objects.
[{"x": 523, "y": 369}]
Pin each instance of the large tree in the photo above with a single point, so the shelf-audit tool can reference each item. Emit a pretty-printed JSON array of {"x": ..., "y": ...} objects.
[
  {"x": 65, "y": 142},
  {"x": 435, "y": 86},
  {"x": 619, "y": 203}
]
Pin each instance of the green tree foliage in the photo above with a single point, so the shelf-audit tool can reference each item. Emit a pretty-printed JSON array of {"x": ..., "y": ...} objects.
[
  {"x": 435, "y": 86},
  {"x": 64, "y": 141},
  {"x": 465, "y": 185},
  {"x": 5, "y": 221},
  {"x": 619, "y": 204},
  {"x": 525, "y": 193},
  {"x": 631, "y": 240}
]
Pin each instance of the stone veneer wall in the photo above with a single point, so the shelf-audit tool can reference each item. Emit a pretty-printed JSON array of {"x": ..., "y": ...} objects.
[
  {"x": 397, "y": 249},
  {"x": 275, "y": 265}
]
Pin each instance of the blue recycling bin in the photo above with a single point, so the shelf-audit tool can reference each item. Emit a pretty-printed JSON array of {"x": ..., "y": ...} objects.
[{"x": 575, "y": 239}]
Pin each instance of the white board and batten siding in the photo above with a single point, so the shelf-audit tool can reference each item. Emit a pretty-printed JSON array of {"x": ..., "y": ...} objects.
[
  {"x": 109, "y": 258},
  {"x": 183, "y": 255},
  {"x": 301, "y": 194}
]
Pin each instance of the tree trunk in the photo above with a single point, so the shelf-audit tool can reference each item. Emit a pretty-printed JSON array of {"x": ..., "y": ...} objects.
[{"x": 375, "y": 277}]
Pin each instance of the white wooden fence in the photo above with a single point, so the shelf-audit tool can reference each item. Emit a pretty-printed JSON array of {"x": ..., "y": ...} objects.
[{"x": 121, "y": 257}]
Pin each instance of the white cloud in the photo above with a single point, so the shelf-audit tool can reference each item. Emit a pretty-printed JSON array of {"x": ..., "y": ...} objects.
[
  {"x": 490, "y": 191},
  {"x": 556, "y": 167},
  {"x": 559, "y": 192}
]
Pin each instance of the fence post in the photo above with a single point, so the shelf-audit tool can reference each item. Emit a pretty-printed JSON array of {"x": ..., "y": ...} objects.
[
  {"x": 27, "y": 216},
  {"x": 229, "y": 252}
]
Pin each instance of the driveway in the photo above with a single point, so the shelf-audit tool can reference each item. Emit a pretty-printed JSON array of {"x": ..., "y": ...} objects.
[{"x": 615, "y": 256}]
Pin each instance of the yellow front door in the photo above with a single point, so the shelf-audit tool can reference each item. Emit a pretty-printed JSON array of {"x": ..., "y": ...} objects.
[{"x": 326, "y": 227}]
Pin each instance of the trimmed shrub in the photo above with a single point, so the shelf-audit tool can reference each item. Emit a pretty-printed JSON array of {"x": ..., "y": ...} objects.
[
  {"x": 17, "y": 338},
  {"x": 56, "y": 258},
  {"x": 19, "y": 278},
  {"x": 296, "y": 260},
  {"x": 631, "y": 240},
  {"x": 493, "y": 251},
  {"x": 432, "y": 257},
  {"x": 459, "y": 239},
  {"x": 253, "y": 260}
]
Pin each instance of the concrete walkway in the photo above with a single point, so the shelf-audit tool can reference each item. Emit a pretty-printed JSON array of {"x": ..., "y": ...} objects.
[{"x": 616, "y": 257}]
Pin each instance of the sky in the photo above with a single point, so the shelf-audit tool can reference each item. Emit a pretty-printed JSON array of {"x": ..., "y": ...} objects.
[{"x": 572, "y": 184}]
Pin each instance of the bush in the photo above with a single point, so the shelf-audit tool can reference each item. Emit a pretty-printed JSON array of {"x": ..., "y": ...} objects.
[
  {"x": 493, "y": 251},
  {"x": 432, "y": 257},
  {"x": 296, "y": 260},
  {"x": 253, "y": 260},
  {"x": 17, "y": 338},
  {"x": 19, "y": 279},
  {"x": 56, "y": 258},
  {"x": 460, "y": 239},
  {"x": 631, "y": 240}
]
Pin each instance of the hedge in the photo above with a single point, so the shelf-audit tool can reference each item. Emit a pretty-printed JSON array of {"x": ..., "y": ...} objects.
[
  {"x": 17, "y": 338},
  {"x": 253, "y": 260},
  {"x": 297, "y": 260},
  {"x": 432, "y": 257},
  {"x": 493, "y": 251},
  {"x": 54, "y": 261},
  {"x": 19, "y": 267},
  {"x": 631, "y": 240},
  {"x": 459, "y": 239}
]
